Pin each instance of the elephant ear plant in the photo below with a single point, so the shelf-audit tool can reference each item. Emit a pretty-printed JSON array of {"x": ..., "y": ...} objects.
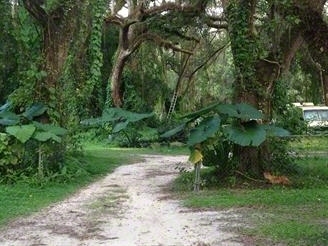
[
  {"x": 24, "y": 127},
  {"x": 240, "y": 124},
  {"x": 119, "y": 118}
]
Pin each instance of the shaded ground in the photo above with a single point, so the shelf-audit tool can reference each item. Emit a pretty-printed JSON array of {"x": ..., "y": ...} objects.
[{"x": 127, "y": 208}]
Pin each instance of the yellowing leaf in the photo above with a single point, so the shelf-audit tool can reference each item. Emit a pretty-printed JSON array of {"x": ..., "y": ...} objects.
[{"x": 195, "y": 156}]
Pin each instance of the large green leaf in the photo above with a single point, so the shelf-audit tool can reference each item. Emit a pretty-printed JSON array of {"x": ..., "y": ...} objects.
[
  {"x": 57, "y": 130},
  {"x": 276, "y": 131},
  {"x": 241, "y": 111},
  {"x": 45, "y": 136},
  {"x": 112, "y": 114},
  {"x": 249, "y": 134},
  {"x": 120, "y": 126},
  {"x": 22, "y": 133},
  {"x": 201, "y": 112},
  {"x": 94, "y": 121},
  {"x": 8, "y": 118},
  {"x": 116, "y": 114},
  {"x": 206, "y": 129},
  {"x": 35, "y": 110},
  {"x": 5, "y": 107},
  {"x": 173, "y": 131}
]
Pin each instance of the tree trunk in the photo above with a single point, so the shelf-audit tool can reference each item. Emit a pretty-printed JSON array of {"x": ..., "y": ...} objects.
[
  {"x": 256, "y": 76},
  {"x": 117, "y": 86},
  {"x": 66, "y": 30},
  {"x": 247, "y": 88}
]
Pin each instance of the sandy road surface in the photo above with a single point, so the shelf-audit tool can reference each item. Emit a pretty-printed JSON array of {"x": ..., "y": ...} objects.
[{"x": 126, "y": 208}]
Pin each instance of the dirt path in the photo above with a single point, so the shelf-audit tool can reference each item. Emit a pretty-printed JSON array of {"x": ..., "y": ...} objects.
[{"x": 126, "y": 208}]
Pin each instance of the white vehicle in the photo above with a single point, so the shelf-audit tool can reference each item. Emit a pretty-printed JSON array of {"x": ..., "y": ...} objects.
[{"x": 316, "y": 116}]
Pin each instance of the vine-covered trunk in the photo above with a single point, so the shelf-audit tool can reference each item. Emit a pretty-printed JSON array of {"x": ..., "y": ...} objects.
[
  {"x": 256, "y": 76},
  {"x": 66, "y": 31},
  {"x": 248, "y": 88},
  {"x": 56, "y": 44}
]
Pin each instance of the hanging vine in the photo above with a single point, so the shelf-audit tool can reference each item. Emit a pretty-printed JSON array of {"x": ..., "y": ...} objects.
[
  {"x": 94, "y": 83},
  {"x": 244, "y": 44}
]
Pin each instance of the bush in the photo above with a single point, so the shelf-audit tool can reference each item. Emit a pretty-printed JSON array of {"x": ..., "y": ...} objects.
[
  {"x": 281, "y": 159},
  {"x": 219, "y": 156},
  {"x": 10, "y": 155},
  {"x": 291, "y": 119}
]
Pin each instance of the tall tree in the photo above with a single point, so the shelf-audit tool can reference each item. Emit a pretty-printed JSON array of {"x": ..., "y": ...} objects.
[
  {"x": 135, "y": 29},
  {"x": 8, "y": 51},
  {"x": 66, "y": 28},
  {"x": 260, "y": 66}
]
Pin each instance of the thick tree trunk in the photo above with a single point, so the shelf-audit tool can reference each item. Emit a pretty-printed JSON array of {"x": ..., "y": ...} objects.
[
  {"x": 56, "y": 45},
  {"x": 256, "y": 76},
  {"x": 117, "y": 87},
  {"x": 253, "y": 78},
  {"x": 65, "y": 43}
]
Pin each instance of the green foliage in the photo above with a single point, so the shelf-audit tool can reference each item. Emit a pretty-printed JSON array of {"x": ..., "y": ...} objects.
[
  {"x": 247, "y": 134},
  {"x": 291, "y": 118},
  {"x": 120, "y": 119},
  {"x": 219, "y": 155},
  {"x": 244, "y": 43},
  {"x": 24, "y": 128},
  {"x": 31, "y": 194},
  {"x": 8, "y": 118},
  {"x": 22, "y": 133},
  {"x": 26, "y": 53},
  {"x": 10, "y": 154},
  {"x": 206, "y": 129},
  {"x": 34, "y": 150},
  {"x": 218, "y": 126},
  {"x": 95, "y": 54},
  {"x": 35, "y": 110},
  {"x": 8, "y": 52},
  {"x": 237, "y": 122}
]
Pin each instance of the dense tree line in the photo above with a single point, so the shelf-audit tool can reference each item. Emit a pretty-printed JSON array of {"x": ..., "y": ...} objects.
[{"x": 77, "y": 57}]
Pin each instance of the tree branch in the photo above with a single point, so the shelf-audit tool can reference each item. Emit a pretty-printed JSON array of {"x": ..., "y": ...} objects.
[
  {"x": 171, "y": 6},
  {"x": 115, "y": 20},
  {"x": 207, "y": 60},
  {"x": 35, "y": 9},
  {"x": 159, "y": 41}
]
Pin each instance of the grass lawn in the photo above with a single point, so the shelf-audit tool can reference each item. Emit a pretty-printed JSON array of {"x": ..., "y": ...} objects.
[
  {"x": 290, "y": 216},
  {"x": 24, "y": 198},
  {"x": 277, "y": 215}
]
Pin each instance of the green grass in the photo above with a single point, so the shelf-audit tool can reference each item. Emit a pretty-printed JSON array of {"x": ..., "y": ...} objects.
[
  {"x": 283, "y": 215},
  {"x": 153, "y": 149},
  {"x": 24, "y": 198},
  {"x": 21, "y": 199},
  {"x": 261, "y": 198},
  {"x": 310, "y": 143},
  {"x": 295, "y": 215}
]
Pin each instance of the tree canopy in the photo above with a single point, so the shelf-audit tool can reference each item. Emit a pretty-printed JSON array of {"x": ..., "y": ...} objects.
[{"x": 81, "y": 57}]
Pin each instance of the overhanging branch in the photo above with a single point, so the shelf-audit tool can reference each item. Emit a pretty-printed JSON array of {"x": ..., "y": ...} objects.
[
  {"x": 159, "y": 41},
  {"x": 35, "y": 9}
]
